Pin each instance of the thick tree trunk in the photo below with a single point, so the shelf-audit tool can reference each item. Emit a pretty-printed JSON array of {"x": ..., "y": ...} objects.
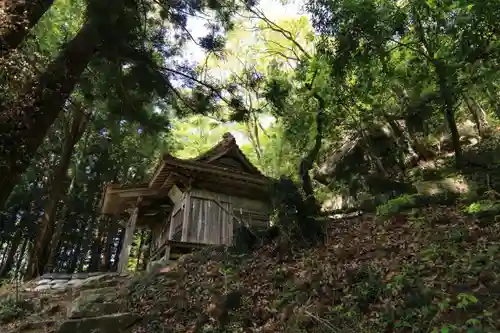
[
  {"x": 16, "y": 20},
  {"x": 9, "y": 259},
  {"x": 58, "y": 185},
  {"x": 24, "y": 126}
]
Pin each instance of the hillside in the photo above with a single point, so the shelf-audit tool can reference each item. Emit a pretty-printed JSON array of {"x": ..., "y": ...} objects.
[
  {"x": 435, "y": 269},
  {"x": 431, "y": 269}
]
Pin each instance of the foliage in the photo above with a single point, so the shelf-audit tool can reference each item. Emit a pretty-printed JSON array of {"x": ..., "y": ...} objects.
[
  {"x": 432, "y": 270},
  {"x": 407, "y": 202},
  {"x": 297, "y": 221},
  {"x": 12, "y": 309},
  {"x": 381, "y": 88}
]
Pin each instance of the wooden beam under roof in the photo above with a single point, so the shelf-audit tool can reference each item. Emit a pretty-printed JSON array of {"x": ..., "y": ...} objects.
[
  {"x": 227, "y": 146},
  {"x": 117, "y": 198}
]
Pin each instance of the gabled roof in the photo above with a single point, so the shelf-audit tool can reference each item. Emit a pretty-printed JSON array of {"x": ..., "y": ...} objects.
[
  {"x": 205, "y": 168},
  {"x": 227, "y": 147}
]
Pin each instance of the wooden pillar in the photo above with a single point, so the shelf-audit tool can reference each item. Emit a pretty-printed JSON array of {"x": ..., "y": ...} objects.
[
  {"x": 166, "y": 257},
  {"x": 127, "y": 241},
  {"x": 186, "y": 217}
]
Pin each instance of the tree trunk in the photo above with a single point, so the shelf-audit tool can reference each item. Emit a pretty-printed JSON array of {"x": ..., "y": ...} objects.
[
  {"x": 97, "y": 245},
  {"x": 87, "y": 243},
  {"x": 24, "y": 126},
  {"x": 139, "y": 250},
  {"x": 448, "y": 105},
  {"x": 56, "y": 237},
  {"x": 21, "y": 256},
  {"x": 445, "y": 83},
  {"x": 114, "y": 267},
  {"x": 307, "y": 162},
  {"x": 108, "y": 247},
  {"x": 55, "y": 242},
  {"x": 147, "y": 254},
  {"x": 59, "y": 184},
  {"x": 17, "y": 19},
  {"x": 9, "y": 260},
  {"x": 74, "y": 258},
  {"x": 5, "y": 247},
  {"x": 478, "y": 115}
]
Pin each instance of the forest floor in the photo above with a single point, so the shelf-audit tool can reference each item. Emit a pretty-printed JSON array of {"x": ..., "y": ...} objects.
[
  {"x": 432, "y": 269},
  {"x": 413, "y": 266}
]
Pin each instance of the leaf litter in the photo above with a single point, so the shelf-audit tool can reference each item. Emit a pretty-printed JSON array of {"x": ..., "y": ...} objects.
[{"x": 432, "y": 270}]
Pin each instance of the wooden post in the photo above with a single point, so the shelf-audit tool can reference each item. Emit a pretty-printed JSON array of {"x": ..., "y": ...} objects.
[
  {"x": 186, "y": 217},
  {"x": 127, "y": 241},
  {"x": 166, "y": 257}
]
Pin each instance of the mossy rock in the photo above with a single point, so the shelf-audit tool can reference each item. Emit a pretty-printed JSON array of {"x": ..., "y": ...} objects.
[
  {"x": 455, "y": 185},
  {"x": 407, "y": 202}
]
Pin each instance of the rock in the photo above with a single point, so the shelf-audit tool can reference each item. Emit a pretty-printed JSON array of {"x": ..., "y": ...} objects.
[
  {"x": 156, "y": 266},
  {"x": 104, "y": 324},
  {"x": 49, "y": 276},
  {"x": 52, "y": 309},
  {"x": 95, "y": 304},
  {"x": 80, "y": 276},
  {"x": 56, "y": 276},
  {"x": 58, "y": 281},
  {"x": 75, "y": 282},
  {"x": 44, "y": 326},
  {"x": 43, "y": 281},
  {"x": 42, "y": 287},
  {"x": 100, "y": 284},
  {"x": 105, "y": 292},
  {"x": 59, "y": 285},
  {"x": 450, "y": 185},
  {"x": 95, "y": 309},
  {"x": 95, "y": 279}
]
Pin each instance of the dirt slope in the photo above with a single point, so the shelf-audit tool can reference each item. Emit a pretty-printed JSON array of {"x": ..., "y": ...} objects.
[{"x": 434, "y": 270}]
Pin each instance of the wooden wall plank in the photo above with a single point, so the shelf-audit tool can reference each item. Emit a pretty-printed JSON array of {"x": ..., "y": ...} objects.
[{"x": 209, "y": 217}]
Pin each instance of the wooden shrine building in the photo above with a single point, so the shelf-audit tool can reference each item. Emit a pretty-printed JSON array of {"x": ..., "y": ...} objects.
[{"x": 192, "y": 203}]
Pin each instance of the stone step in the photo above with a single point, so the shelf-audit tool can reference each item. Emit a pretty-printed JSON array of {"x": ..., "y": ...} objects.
[
  {"x": 97, "y": 302},
  {"x": 38, "y": 326},
  {"x": 95, "y": 310},
  {"x": 116, "y": 323},
  {"x": 107, "y": 292}
]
